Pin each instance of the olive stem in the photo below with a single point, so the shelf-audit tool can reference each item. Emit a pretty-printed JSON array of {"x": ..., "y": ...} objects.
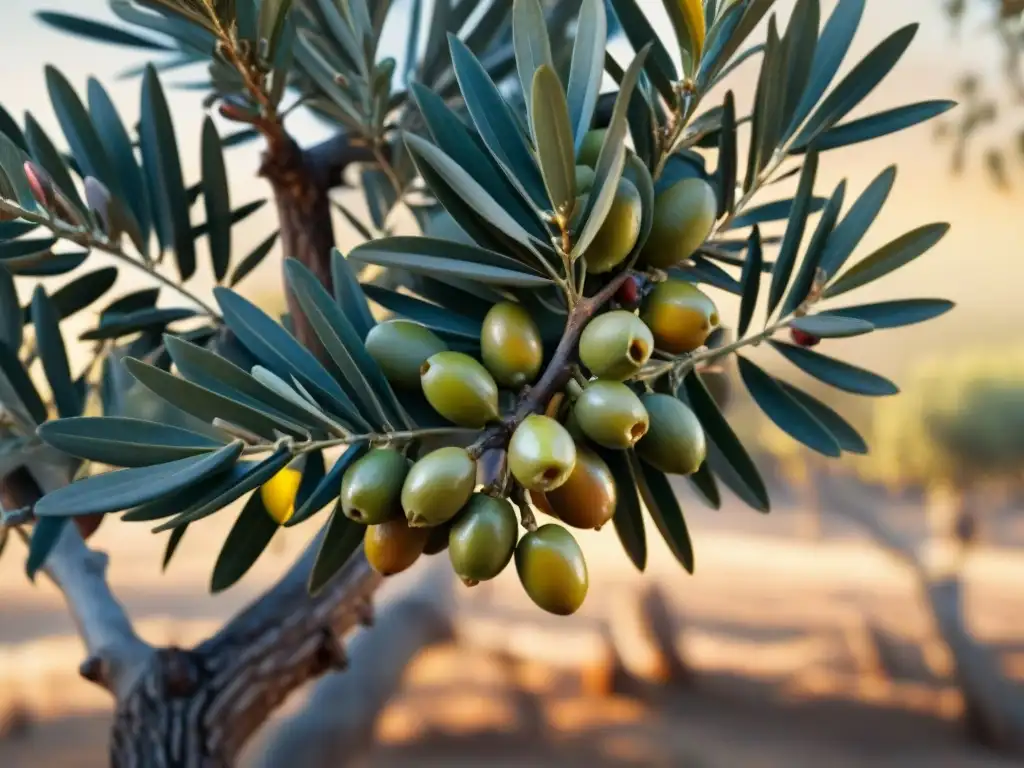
[
  {"x": 526, "y": 517},
  {"x": 366, "y": 437}
]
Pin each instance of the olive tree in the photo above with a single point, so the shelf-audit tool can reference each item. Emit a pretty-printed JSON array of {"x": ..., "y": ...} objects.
[{"x": 571, "y": 237}]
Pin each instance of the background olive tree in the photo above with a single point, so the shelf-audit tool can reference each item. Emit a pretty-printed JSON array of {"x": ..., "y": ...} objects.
[{"x": 206, "y": 401}]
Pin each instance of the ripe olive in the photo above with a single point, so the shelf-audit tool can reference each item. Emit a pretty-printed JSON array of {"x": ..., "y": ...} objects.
[
  {"x": 552, "y": 569},
  {"x": 541, "y": 453},
  {"x": 460, "y": 389},
  {"x": 675, "y": 443},
  {"x": 278, "y": 494},
  {"x": 680, "y": 316},
  {"x": 684, "y": 215},
  {"x": 616, "y": 345},
  {"x": 483, "y": 538},
  {"x": 438, "y": 486},
  {"x": 588, "y": 498},
  {"x": 610, "y": 414},
  {"x": 510, "y": 345},
  {"x": 393, "y": 546},
  {"x": 371, "y": 491},
  {"x": 400, "y": 347}
]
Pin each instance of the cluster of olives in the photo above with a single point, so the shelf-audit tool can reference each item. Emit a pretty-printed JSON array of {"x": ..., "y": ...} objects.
[{"x": 551, "y": 461}]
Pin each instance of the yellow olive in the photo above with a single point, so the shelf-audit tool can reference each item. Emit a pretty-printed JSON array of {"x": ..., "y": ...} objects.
[
  {"x": 460, "y": 389},
  {"x": 680, "y": 316},
  {"x": 610, "y": 414},
  {"x": 278, "y": 494},
  {"x": 371, "y": 491},
  {"x": 616, "y": 345},
  {"x": 588, "y": 498},
  {"x": 619, "y": 231},
  {"x": 683, "y": 217},
  {"x": 483, "y": 538},
  {"x": 541, "y": 453},
  {"x": 590, "y": 147},
  {"x": 675, "y": 443},
  {"x": 438, "y": 486},
  {"x": 552, "y": 569},
  {"x": 510, "y": 345},
  {"x": 393, "y": 546},
  {"x": 584, "y": 179},
  {"x": 400, "y": 347}
]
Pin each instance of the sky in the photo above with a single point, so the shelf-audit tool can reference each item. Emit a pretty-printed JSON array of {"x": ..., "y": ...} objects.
[{"x": 978, "y": 264}]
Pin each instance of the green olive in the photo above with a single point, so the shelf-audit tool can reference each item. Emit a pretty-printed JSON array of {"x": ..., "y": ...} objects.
[
  {"x": 610, "y": 414},
  {"x": 510, "y": 345},
  {"x": 438, "y": 486},
  {"x": 371, "y": 491},
  {"x": 584, "y": 179},
  {"x": 684, "y": 215},
  {"x": 680, "y": 316},
  {"x": 400, "y": 348},
  {"x": 588, "y": 498},
  {"x": 552, "y": 569},
  {"x": 483, "y": 538},
  {"x": 675, "y": 443},
  {"x": 590, "y": 147},
  {"x": 460, "y": 389},
  {"x": 541, "y": 453},
  {"x": 393, "y": 546},
  {"x": 619, "y": 231},
  {"x": 616, "y": 345}
]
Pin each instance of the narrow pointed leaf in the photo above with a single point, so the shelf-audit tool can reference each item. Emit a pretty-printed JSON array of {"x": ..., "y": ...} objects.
[
  {"x": 430, "y": 315},
  {"x": 10, "y": 311},
  {"x": 895, "y": 314},
  {"x": 253, "y": 259},
  {"x": 552, "y": 132},
  {"x": 248, "y": 538},
  {"x": 17, "y": 377},
  {"x": 851, "y": 230},
  {"x": 628, "y": 518},
  {"x": 704, "y": 484},
  {"x": 610, "y": 161},
  {"x": 126, "y": 488},
  {"x": 53, "y": 354},
  {"x": 660, "y": 499},
  {"x": 152, "y": 320},
  {"x": 800, "y": 43},
  {"x": 808, "y": 271},
  {"x": 46, "y": 532},
  {"x": 888, "y": 258},
  {"x": 860, "y": 81},
  {"x": 658, "y": 66},
  {"x": 721, "y": 434},
  {"x": 348, "y": 294},
  {"x": 879, "y": 124},
  {"x": 848, "y": 438},
  {"x": 216, "y": 199},
  {"x": 173, "y": 541},
  {"x": 827, "y": 326},
  {"x": 787, "y": 414},
  {"x": 532, "y": 46},
  {"x": 98, "y": 31},
  {"x": 78, "y": 294},
  {"x": 840, "y": 375},
  {"x": 123, "y": 442},
  {"x": 46, "y": 154},
  {"x": 687, "y": 17},
  {"x": 728, "y": 160},
  {"x": 587, "y": 67},
  {"x": 779, "y": 210},
  {"x": 340, "y": 542},
  {"x": 751, "y": 281},
  {"x": 795, "y": 228},
  {"x": 160, "y": 156}
]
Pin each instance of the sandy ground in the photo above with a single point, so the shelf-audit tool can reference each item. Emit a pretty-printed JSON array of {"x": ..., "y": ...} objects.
[{"x": 772, "y": 624}]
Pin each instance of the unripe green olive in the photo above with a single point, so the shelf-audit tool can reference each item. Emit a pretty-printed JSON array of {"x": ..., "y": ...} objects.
[
  {"x": 584, "y": 179},
  {"x": 680, "y": 316},
  {"x": 611, "y": 414},
  {"x": 616, "y": 345},
  {"x": 619, "y": 231},
  {"x": 460, "y": 389},
  {"x": 541, "y": 453},
  {"x": 510, "y": 345},
  {"x": 483, "y": 538},
  {"x": 371, "y": 491},
  {"x": 438, "y": 486},
  {"x": 683, "y": 217},
  {"x": 590, "y": 147},
  {"x": 552, "y": 569},
  {"x": 588, "y": 498},
  {"x": 400, "y": 347},
  {"x": 393, "y": 546},
  {"x": 675, "y": 443}
]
